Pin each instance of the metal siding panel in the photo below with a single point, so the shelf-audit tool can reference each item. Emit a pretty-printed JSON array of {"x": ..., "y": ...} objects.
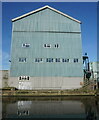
[
  {"x": 70, "y": 45},
  {"x": 46, "y": 20}
]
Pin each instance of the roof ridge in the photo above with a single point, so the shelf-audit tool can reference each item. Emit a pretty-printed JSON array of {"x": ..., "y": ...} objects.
[{"x": 46, "y": 6}]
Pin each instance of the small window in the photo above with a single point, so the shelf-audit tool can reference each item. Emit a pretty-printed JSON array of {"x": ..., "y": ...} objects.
[
  {"x": 49, "y": 59},
  {"x": 57, "y": 60},
  {"x": 22, "y": 59},
  {"x": 44, "y": 45},
  {"x": 47, "y": 45},
  {"x": 65, "y": 60},
  {"x": 27, "y": 78},
  {"x": 24, "y": 78},
  {"x": 19, "y": 78},
  {"x": 38, "y": 59},
  {"x": 56, "y": 45},
  {"x": 25, "y": 45},
  {"x": 75, "y": 60}
]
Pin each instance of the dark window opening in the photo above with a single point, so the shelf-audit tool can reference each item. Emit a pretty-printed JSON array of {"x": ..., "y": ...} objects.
[
  {"x": 57, "y": 59},
  {"x": 27, "y": 78},
  {"x": 47, "y": 45},
  {"x": 25, "y": 45},
  {"x": 49, "y": 59},
  {"x": 56, "y": 45},
  {"x": 19, "y": 78},
  {"x": 38, "y": 59},
  {"x": 65, "y": 60},
  {"x": 24, "y": 78},
  {"x": 22, "y": 59},
  {"x": 75, "y": 60}
]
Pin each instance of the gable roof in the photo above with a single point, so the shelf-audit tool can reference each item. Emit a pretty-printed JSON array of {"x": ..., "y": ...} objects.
[{"x": 37, "y": 10}]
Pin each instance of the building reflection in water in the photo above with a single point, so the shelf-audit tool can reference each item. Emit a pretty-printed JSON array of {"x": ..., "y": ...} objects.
[
  {"x": 23, "y": 108},
  {"x": 85, "y": 108}
]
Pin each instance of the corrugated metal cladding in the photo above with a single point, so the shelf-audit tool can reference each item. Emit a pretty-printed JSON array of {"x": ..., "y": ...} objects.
[{"x": 46, "y": 27}]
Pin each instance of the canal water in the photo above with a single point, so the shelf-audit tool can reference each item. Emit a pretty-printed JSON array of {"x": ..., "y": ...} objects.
[{"x": 70, "y": 108}]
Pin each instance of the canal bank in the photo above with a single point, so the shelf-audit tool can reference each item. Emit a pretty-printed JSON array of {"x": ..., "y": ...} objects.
[{"x": 76, "y": 92}]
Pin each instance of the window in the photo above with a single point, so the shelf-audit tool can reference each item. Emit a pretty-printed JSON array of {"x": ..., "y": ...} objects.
[
  {"x": 19, "y": 78},
  {"x": 24, "y": 78},
  {"x": 22, "y": 59},
  {"x": 75, "y": 60},
  {"x": 56, "y": 45},
  {"x": 49, "y": 59},
  {"x": 47, "y": 45},
  {"x": 27, "y": 78},
  {"x": 57, "y": 60},
  {"x": 25, "y": 45},
  {"x": 38, "y": 59},
  {"x": 65, "y": 60}
]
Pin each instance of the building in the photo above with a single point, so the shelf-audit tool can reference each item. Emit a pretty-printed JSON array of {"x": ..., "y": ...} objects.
[
  {"x": 46, "y": 51},
  {"x": 4, "y": 74},
  {"x": 94, "y": 68}
]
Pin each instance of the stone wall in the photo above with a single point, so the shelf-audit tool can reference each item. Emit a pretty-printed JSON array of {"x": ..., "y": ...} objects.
[
  {"x": 47, "y": 83},
  {"x": 40, "y": 82},
  {"x": 4, "y": 74}
]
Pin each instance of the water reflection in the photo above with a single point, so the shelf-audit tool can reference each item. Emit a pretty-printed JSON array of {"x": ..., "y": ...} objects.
[
  {"x": 78, "y": 108},
  {"x": 23, "y": 108}
]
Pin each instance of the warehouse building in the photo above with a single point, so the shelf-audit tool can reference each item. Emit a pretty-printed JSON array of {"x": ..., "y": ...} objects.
[{"x": 46, "y": 51}]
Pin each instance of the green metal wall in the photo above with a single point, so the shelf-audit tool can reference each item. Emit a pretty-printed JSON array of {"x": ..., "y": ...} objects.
[{"x": 46, "y": 27}]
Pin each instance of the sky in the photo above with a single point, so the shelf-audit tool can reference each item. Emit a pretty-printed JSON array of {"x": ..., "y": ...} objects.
[{"x": 86, "y": 12}]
